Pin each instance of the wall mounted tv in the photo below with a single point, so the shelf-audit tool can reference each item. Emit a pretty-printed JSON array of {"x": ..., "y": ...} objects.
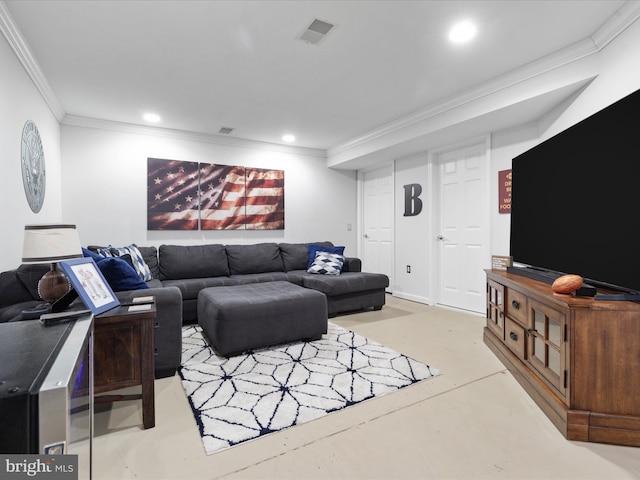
[{"x": 576, "y": 197}]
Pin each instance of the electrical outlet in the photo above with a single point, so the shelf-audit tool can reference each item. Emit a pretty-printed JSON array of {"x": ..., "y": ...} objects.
[{"x": 408, "y": 268}]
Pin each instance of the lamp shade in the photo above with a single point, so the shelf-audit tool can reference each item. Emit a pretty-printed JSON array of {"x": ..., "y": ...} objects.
[{"x": 50, "y": 243}]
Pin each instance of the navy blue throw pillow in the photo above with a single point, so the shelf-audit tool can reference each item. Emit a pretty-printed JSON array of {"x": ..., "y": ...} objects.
[
  {"x": 120, "y": 275},
  {"x": 89, "y": 254},
  {"x": 313, "y": 249}
]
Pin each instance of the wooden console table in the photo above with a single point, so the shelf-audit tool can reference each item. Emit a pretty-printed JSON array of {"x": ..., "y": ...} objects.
[
  {"x": 123, "y": 354},
  {"x": 577, "y": 357}
]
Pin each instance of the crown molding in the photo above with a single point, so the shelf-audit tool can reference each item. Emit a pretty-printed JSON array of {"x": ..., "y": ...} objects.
[
  {"x": 623, "y": 18},
  {"x": 613, "y": 27},
  {"x": 14, "y": 37},
  {"x": 78, "y": 121}
]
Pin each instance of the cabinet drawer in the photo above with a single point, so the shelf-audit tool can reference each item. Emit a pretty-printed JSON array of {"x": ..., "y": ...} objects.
[
  {"x": 516, "y": 306},
  {"x": 514, "y": 337}
]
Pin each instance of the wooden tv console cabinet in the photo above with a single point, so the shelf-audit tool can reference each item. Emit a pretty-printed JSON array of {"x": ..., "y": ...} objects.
[{"x": 577, "y": 357}]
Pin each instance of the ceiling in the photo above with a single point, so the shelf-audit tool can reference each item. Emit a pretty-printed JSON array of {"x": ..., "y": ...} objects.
[{"x": 203, "y": 65}]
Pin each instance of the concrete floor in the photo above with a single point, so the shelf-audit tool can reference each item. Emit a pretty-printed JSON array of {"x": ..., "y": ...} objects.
[{"x": 472, "y": 422}]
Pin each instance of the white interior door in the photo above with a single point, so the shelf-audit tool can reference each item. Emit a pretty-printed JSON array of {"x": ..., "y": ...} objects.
[
  {"x": 462, "y": 235},
  {"x": 377, "y": 222}
]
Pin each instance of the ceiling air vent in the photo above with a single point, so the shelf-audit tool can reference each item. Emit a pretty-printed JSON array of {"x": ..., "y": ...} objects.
[
  {"x": 225, "y": 130},
  {"x": 316, "y": 32}
]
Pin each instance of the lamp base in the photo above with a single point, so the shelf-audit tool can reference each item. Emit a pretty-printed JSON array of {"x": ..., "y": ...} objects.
[{"x": 53, "y": 285}]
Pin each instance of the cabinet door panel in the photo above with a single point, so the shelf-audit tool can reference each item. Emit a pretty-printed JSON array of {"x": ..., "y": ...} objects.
[
  {"x": 495, "y": 308},
  {"x": 546, "y": 344}
]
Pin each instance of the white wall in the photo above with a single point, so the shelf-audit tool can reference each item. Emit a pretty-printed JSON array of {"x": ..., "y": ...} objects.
[
  {"x": 411, "y": 233},
  {"x": 616, "y": 69},
  {"x": 20, "y": 101},
  {"x": 505, "y": 145},
  {"x": 105, "y": 174}
]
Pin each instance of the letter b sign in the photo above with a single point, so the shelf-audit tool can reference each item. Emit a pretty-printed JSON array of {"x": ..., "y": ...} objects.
[{"x": 412, "y": 204}]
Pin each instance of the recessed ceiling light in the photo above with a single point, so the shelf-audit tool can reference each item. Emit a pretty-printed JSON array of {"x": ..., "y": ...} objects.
[
  {"x": 151, "y": 117},
  {"x": 288, "y": 138},
  {"x": 462, "y": 32}
]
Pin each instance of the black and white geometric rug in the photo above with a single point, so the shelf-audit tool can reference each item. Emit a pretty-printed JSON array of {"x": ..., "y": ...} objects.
[{"x": 242, "y": 398}]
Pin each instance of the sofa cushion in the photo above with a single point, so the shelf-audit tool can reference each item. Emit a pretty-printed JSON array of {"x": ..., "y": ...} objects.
[
  {"x": 192, "y": 261},
  {"x": 327, "y": 264},
  {"x": 256, "y": 258},
  {"x": 295, "y": 256},
  {"x": 314, "y": 248},
  {"x": 13, "y": 313},
  {"x": 20, "y": 285},
  {"x": 346, "y": 282},
  {"x": 263, "y": 277},
  {"x": 190, "y": 287},
  {"x": 30, "y": 275},
  {"x": 154, "y": 283}
]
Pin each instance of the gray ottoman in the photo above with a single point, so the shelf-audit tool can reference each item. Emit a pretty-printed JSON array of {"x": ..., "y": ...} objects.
[{"x": 245, "y": 317}]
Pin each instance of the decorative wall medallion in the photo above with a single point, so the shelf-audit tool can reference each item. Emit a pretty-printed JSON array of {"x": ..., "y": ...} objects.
[{"x": 33, "y": 171}]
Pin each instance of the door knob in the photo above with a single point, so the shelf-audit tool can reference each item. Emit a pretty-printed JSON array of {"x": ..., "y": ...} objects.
[
  {"x": 440, "y": 237},
  {"x": 365, "y": 235}
]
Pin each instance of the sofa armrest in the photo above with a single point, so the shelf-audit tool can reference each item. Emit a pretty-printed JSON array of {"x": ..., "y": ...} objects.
[
  {"x": 167, "y": 328},
  {"x": 352, "y": 264}
]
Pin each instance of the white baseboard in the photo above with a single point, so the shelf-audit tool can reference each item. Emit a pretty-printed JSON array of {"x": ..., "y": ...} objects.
[{"x": 412, "y": 297}]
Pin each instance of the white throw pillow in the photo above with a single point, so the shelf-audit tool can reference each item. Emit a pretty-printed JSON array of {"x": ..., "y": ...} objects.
[{"x": 327, "y": 263}]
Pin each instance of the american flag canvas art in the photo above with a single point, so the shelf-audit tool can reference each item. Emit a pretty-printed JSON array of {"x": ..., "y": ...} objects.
[
  {"x": 264, "y": 199},
  {"x": 172, "y": 195},
  {"x": 221, "y": 197}
]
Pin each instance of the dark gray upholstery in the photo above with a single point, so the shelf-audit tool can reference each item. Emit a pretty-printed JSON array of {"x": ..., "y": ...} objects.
[
  {"x": 346, "y": 282},
  {"x": 245, "y": 317},
  {"x": 190, "y": 287},
  {"x": 267, "y": 262},
  {"x": 192, "y": 261},
  {"x": 21, "y": 284},
  {"x": 167, "y": 333},
  {"x": 295, "y": 256},
  {"x": 181, "y": 272},
  {"x": 18, "y": 292},
  {"x": 150, "y": 257},
  {"x": 258, "y": 258}
]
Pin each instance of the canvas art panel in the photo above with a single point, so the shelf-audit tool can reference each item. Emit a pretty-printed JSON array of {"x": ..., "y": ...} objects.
[
  {"x": 188, "y": 195},
  {"x": 265, "y": 199},
  {"x": 222, "y": 190},
  {"x": 172, "y": 195}
]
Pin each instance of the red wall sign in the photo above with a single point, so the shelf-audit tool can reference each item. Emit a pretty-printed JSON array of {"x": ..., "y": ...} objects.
[{"x": 504, "y": 191}]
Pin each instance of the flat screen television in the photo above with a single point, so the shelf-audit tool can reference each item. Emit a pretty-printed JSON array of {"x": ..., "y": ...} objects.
[{"x": 575, "y": 199}]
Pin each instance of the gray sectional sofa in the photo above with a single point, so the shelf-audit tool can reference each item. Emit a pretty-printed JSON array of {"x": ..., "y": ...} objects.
[
  {"x": 180, "y": 272},
  {"x": 192, "y": 268}
]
